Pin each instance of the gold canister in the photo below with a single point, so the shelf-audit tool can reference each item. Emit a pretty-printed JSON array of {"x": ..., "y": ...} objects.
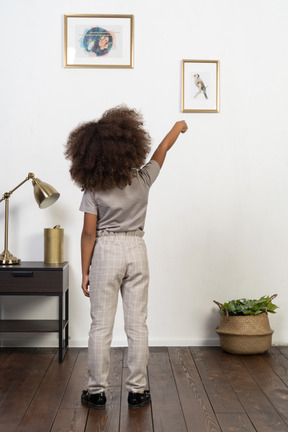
[{"x": 53, "y": 245}]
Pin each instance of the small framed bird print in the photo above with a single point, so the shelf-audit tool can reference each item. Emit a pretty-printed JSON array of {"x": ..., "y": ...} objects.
[{"x": 200, "y": 86}]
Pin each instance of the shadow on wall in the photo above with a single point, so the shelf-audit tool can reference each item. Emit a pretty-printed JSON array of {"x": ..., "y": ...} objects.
[
  {"x": 35, "y": 247},
  {"x": 210, "y": 337}
]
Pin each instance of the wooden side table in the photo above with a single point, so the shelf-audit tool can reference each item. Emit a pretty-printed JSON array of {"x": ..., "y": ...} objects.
[{"x": 38, "y": 279}]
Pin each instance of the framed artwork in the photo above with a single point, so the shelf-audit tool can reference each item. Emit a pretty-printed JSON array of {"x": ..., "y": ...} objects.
[
  {"x": 98, "y": 41},
  {"x": 200, "y": 86}
]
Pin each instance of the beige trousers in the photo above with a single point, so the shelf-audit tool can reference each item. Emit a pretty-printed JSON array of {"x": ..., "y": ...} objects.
[{"x": 119, "y": 263}]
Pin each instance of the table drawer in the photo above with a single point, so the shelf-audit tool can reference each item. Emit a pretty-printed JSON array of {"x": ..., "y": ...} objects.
[{"x": 31, "y": 281}]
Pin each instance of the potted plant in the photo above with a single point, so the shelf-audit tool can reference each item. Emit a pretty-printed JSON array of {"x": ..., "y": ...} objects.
[{"x": 244, "y": 325}]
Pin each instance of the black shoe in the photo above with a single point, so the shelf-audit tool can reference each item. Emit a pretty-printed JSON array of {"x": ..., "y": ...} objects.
[
  {"x": 97, "y": 400},
  {"x": 137, "y": 400}
]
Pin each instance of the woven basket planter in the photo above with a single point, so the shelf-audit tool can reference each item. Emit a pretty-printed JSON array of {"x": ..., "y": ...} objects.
[{"x": 249, "y": 334}]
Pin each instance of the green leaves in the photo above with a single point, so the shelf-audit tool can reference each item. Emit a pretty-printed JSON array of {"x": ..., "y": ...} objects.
[{"x": 248, "y": 307}]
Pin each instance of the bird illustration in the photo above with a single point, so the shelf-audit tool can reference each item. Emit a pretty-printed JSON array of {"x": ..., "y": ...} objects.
[{"x": 200, "y": 85}]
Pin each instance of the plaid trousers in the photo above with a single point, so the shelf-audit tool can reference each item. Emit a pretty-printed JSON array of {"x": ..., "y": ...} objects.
[{"x": 119, "y": 263}]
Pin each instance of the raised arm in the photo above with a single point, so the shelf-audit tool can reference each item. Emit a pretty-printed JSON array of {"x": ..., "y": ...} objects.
[
  {"x": 160, "y": 153},
  {"x": 87, "y": 245}
]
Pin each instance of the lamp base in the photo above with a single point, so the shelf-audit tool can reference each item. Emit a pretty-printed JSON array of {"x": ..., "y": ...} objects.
[{"x": 7, "y": 258}]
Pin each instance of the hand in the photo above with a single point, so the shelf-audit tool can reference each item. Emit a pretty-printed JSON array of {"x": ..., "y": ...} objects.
[
  {"x": 85, "y": 285},
  {"x": 184, "y": 126}
]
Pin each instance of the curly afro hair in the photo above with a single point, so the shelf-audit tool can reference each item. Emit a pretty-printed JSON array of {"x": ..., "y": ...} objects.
[{"x": 105, "y": 154}]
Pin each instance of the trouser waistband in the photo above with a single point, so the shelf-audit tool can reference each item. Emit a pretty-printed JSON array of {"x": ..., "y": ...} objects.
[{"x": 137, "y": 233}]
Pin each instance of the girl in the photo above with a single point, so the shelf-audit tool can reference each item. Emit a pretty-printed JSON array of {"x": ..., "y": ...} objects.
[{"x": 107, "y": 158}]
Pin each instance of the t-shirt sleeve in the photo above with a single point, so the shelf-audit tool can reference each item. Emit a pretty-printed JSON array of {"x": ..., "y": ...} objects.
[
  {"x": 88, "y": 203},
  {"x": 150, "y": 172}
]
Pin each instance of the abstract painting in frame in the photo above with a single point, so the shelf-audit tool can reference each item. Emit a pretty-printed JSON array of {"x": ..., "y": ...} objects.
[
  {"x": 200, "y": 86},
  {"x": 98, "y": 41}
]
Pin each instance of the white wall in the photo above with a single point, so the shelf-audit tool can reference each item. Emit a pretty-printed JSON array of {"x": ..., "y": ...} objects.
[{"x": 217, "y": 225}]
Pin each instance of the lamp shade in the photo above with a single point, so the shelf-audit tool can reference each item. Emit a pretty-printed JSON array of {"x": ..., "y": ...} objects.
[{"x": 45, "y": 195}]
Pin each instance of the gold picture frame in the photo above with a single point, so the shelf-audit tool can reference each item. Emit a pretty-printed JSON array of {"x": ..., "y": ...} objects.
[
  {"x": 200, "y": 86},
  {"x": 98, "y": 41}
]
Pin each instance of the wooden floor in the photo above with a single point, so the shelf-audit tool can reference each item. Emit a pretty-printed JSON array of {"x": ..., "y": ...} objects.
[{"x": 193, "y": 389}]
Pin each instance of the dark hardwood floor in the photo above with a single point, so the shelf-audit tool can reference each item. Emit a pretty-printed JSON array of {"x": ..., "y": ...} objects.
[{"x": 194, "y": 389}]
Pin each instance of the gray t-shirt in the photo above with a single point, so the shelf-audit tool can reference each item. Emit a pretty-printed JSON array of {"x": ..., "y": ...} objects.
[{"x": 121, "y": 210}]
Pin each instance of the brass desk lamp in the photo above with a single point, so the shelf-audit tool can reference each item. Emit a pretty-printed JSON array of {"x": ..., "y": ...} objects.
[{"x": 45, "y": 195}]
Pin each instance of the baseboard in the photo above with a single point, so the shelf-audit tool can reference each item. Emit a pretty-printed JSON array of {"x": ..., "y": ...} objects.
[{"x": 51, "y": 341}]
